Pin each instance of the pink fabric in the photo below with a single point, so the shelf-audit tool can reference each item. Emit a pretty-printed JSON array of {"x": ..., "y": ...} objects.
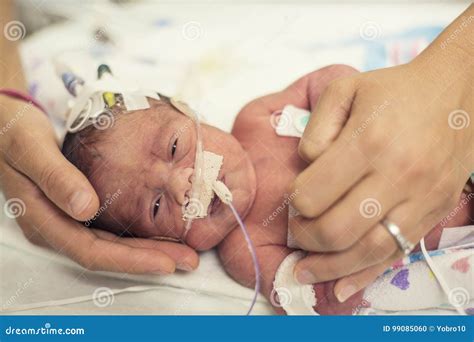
[{"x": 22, "y": 96}]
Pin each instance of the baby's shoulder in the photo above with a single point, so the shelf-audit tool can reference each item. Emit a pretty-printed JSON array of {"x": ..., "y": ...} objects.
[{"x": 247, "y": 117}]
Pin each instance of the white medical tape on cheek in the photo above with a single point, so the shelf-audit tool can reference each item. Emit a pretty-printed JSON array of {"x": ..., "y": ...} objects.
[
  {"x": 294, "y": 298},
  {"x": 199, "y": 204}
]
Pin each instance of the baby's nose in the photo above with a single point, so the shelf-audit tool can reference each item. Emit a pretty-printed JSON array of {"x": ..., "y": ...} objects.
[{"x": 180, "y": 184}]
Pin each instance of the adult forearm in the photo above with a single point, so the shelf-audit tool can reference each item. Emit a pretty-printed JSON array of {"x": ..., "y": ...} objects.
[
  {"x": 449, "y": 58},
  {"x": 446, "y": 68},
  {"x": 11, "y": 71}
]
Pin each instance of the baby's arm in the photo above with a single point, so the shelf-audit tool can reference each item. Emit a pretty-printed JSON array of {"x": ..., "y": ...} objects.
[{"x": 237, "y": 261}]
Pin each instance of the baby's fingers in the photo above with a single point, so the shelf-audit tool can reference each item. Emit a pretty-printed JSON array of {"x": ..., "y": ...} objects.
[{"x": 186, "y": 258}]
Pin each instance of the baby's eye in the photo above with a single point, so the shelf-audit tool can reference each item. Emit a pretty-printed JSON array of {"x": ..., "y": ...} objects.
[
  {"x": 173, "y": 147},
  {"x": 156, "y": 207}
]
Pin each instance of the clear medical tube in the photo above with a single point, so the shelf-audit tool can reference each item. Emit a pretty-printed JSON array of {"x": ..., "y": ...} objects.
[
  {"x": 253, "y": 252},
  {"x": 439, "y": 277},
  {"x": 196, "y": 184},
  {"x": 198, "y": 169}
]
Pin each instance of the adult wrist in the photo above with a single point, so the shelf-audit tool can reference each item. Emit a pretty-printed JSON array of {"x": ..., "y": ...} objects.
[
  {"x": 450, "y": 56},
  {"x": 22, "y": 96},
  {"x": 446, "y": 70}
]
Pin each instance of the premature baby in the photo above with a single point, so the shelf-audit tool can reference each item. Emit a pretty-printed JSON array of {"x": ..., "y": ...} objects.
[{"x": 149, "y": 155}]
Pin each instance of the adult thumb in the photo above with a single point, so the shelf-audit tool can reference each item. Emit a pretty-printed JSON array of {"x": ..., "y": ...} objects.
[
  {"x": 328, "y": 118},
  {"x": 60, "y": 181}
]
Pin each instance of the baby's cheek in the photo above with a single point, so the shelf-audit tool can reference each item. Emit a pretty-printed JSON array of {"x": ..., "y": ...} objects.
[{"x": 327, "y": 303}]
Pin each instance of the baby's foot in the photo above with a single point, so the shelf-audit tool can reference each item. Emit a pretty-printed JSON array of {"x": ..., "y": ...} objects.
[
  {"x": 328, "y": 304},
  {"x": 461, "y": 215}
]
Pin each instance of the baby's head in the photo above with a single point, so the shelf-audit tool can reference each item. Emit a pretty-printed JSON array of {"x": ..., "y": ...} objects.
[{"x": 141, "y": 168}]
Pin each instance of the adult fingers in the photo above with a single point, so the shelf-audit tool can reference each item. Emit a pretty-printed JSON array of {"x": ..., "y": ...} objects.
[
  {"x": 96, "y": 254},
  {"x": 328, "y": 118},
  {"x": 345, "y": 223},
  {"x": 186, "y": 258},
  {"x": 72, "y": 239},
  {"x": 328, "y": 178},
  {"x": 373, "y": 248},
  {"x": 348, "y": 286},
  {"x": 39, "y": 158}
]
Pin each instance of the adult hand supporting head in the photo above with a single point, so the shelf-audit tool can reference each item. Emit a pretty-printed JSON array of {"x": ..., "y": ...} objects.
[
  {"x": 46, "y": 193},
  {"x": 398, "y": 146}
]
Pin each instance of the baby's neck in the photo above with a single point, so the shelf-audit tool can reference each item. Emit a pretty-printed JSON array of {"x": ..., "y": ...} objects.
[{"x": 252, "y": 179}]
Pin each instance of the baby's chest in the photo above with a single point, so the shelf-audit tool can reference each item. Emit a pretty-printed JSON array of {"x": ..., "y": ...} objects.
[{"x": 276, "y": 163}]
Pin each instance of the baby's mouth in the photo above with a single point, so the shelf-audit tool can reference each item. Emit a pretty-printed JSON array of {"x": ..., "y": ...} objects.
[{"x": 216, "y": 202}]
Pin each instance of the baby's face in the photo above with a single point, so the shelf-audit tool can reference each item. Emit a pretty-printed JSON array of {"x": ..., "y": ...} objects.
[{"x": 148, "y": 159}]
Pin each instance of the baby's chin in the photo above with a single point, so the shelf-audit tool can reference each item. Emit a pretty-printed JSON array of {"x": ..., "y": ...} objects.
[{"x": 208, "y": 232}]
